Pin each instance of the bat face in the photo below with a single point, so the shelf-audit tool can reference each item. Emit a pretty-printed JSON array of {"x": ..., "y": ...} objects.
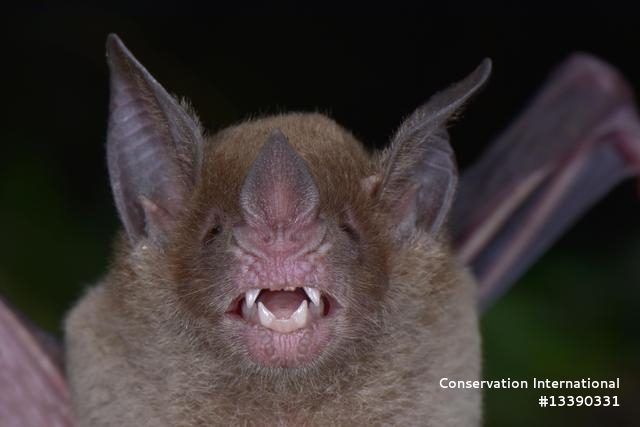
[
  {"x": 275, "y": 251},
  {"x": 275, "y": 271}
]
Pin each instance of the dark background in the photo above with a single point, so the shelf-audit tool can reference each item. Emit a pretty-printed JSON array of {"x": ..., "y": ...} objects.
[{"x": 574, "y": 315}]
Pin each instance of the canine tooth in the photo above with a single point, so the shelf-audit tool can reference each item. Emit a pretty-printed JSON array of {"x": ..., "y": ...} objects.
[
  {"x": 266, "y": 317},
  {"x": 313, "y": 294},
  {"x": 317, "y": 310},
  {"x": 245, "y": 310},
  {"x": 250, "y": 296}
]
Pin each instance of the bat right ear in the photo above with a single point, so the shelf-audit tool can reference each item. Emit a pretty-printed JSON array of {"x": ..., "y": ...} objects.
[
  {"x": 418, "y": 171},
  {"x": 153, "y": 147}
]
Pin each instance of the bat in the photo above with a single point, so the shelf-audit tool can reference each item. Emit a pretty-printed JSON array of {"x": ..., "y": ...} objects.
[
  {"x": 164, "y": 328},
  {"x": 275, "y": 273}
]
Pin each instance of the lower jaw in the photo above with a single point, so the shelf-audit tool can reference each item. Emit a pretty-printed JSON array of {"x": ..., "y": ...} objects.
[{"x": 292, "y": 350}]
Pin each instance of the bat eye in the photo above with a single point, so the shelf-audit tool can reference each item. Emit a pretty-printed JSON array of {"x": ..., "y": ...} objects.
[
  {"x": 350, "y": 231},
  {"x": 346, "y": 223},
  {"x": 213, "y": 232}
]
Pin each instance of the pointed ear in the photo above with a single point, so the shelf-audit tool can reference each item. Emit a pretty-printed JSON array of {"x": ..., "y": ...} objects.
[
  {"x": 153, "y": 147},
  {"x": 418, "y": 170}
]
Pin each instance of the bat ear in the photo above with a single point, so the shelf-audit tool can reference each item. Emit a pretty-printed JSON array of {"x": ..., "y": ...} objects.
[
  {"x": 153, "y": 147},
  {"x": 418, "y": 170}
]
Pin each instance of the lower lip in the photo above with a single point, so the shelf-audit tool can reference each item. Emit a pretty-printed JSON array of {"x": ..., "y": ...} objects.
[{"x": 295, "y": 349}]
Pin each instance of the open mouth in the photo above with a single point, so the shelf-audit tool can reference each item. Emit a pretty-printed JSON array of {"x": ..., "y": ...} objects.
[
  {"x": 286, "y": 327},
  {"x": 285, "y": 310}
]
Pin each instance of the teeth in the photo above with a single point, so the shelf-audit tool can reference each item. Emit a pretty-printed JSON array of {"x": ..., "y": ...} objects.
[
  {"x": 313, "y": 294},
  {"x": 266, "y": 317},
  {"x": 299, "y": 317},
  {"x": 317, "y": 311},
  {"x": 297, "y": 320},
  {"x": 250, "y": 296}
]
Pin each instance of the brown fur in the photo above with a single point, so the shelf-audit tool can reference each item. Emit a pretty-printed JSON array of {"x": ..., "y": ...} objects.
[{"x": 148, "y": 346}]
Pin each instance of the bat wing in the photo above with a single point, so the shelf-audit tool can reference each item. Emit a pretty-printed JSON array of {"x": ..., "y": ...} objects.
[
  {"x": 33, "y": 391},
  {"x": 578, "y": 138}
]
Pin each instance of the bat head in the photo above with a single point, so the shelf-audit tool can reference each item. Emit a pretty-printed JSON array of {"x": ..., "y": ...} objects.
[{"x": 270, "y": 243}]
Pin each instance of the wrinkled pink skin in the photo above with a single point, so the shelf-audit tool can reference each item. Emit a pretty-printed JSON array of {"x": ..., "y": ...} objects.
[
  {"x": 282, "y": 243},
  {"x": 276, "y": 272},
  {"x": 290, "y": 350},
  {"x": 272, "y": 270}
]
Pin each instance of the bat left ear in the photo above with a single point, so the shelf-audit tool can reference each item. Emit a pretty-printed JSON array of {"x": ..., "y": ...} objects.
[{"x": 418, "y": 171}]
